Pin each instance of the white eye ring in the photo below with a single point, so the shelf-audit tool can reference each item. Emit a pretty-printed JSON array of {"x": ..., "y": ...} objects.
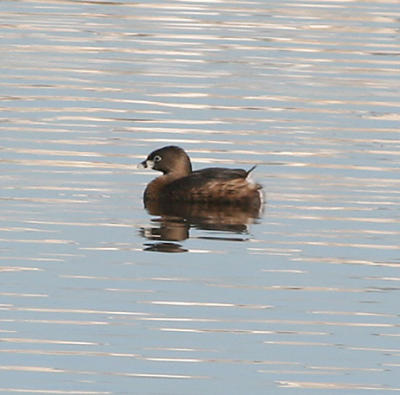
[{"x": 157, "y": 158}]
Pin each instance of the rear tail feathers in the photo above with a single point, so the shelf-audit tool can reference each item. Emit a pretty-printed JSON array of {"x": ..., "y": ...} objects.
[{"x": 249, "y": 171}]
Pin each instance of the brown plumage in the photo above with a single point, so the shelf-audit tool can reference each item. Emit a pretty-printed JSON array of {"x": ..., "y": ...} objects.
[{"x": 211, "y": 185}]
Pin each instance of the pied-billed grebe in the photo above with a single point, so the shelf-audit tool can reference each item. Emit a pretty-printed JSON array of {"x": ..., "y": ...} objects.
[{"x": 211, "y": 185}]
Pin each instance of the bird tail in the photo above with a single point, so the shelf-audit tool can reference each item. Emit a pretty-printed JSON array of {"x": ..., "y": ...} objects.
[{"x": 249, "y": 171}]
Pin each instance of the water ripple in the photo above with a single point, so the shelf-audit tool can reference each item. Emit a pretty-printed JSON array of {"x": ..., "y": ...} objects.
[{"x": 307, "y": 91}]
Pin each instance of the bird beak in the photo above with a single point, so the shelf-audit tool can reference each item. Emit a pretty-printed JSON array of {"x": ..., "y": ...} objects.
[
  {"x": 142, "y": 165},
  {"x": 146, "y": 164}
]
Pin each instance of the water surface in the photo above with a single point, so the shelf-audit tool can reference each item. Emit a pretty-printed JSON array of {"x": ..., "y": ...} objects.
[{"x": 100, "y": 296}]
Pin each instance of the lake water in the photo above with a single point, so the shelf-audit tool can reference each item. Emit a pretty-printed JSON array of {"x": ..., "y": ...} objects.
[{"x": 100, "y": 296}]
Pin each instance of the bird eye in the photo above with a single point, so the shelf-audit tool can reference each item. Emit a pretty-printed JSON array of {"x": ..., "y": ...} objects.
[{"x": 157, "y": 158}]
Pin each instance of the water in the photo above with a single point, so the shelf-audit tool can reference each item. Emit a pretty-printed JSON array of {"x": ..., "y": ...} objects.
[{"x": 100, "y": 296}]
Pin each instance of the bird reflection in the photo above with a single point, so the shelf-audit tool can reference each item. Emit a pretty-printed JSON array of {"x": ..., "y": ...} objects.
[{"x": 175, "y": 219}]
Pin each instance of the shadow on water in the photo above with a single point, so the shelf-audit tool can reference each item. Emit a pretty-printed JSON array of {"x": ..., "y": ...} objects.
[{"x": 175, "y": 219}]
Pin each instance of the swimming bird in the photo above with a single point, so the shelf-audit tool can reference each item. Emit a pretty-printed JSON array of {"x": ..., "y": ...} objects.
[{"x": 212, "y": 185}]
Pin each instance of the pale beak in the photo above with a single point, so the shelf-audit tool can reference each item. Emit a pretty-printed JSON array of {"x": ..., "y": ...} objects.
[{"x": 146, "y": 164}]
